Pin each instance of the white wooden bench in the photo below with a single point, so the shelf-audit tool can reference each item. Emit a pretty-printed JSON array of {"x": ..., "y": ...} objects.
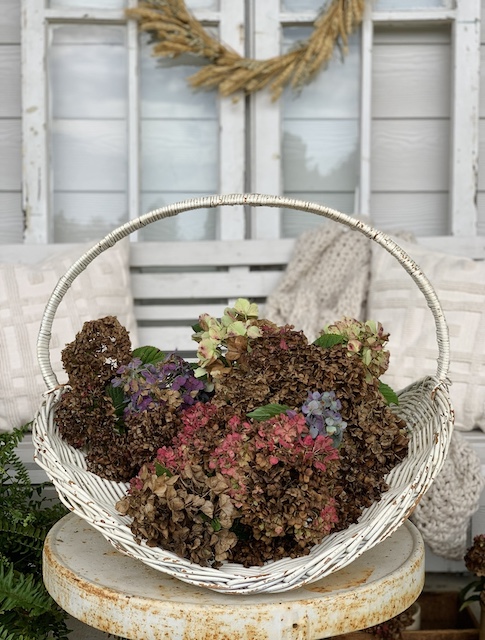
[{"x": 172, "y": 283}]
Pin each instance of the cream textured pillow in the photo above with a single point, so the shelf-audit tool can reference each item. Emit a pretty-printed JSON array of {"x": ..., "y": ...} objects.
[
  {"x": 102, "y": 289},
  {"x": 395, "y": 300}
]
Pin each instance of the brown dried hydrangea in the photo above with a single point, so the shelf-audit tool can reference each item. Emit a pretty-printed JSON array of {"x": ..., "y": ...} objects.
[
  {"x": 283, "y": 366},
  {"x": 147, "y": 431},
  {"x": 282, "y": 502},
  {"x": 98, "y": 350},
  {"x": 393, "y": 629},
  {"x": 86, "y": 417},
  {"x": 287, "y": 512},
  {"x": 475, "y": 563},
  {"x": 190, "y": 516},
  {"x": 475, "y": 556},
  {"x": 214, "y": 484}
]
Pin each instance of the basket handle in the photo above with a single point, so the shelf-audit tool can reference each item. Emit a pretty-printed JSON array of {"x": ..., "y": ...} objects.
[{"x": 254, "y": 200}]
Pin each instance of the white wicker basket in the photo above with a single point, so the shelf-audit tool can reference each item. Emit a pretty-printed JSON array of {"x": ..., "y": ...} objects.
[{"x": 425, "y": 405}]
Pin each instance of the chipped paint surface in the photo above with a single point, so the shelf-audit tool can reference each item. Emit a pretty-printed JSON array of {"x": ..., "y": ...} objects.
[{"x": 123, "y": 596}]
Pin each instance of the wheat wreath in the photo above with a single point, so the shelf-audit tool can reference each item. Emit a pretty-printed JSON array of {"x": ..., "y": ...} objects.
[{"x": 175, "y": 31}]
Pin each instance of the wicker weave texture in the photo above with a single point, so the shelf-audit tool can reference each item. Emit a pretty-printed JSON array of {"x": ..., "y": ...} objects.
[{"x": 425, "y": 405}]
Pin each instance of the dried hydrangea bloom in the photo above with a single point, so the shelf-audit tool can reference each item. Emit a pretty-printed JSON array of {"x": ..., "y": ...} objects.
[
  {"x": 392, "y": 629},
  {"x": 84, "y": 414},
  {"x": 97, "y": 351},
  {"x": 191, "y": 517},
  {"x": 283, "y": 367},
  {"x": 367, "y": 339},
  {"x": 475, "y": 556},
  {"x": 280, "y": 482},
  {"x": 86, "y": 417}
]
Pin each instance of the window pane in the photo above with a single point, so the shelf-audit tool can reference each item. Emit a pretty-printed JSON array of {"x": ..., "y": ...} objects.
[
  {"x": 87, "y": 69},
  {"x": 87, "y": 4},
  {"x": 88, "y": 104},
  {"x": 302, "y": 5},
  {"x": 411, "y": 128},
  {"x": 321, "y": 136},
  {"x": 165, "y": 91},
  {"x": 409, "y": 5},
  {"x": 179, "y": 146},
  {"x": 190, "y": 225},
  {"x": 202, "y": 4},
  {"x": 84, "y": 216},
  {"x": 294, "y": 223},
  {"x": 320, "y": 155},
  {"x": 179, "y": 155}
]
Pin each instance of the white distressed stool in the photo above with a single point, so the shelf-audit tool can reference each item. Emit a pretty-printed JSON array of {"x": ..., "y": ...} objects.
[{"x": 110, "y": 591}]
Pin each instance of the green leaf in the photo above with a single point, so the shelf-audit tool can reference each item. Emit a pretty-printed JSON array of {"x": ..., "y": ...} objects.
[
  {"x": 196, "y": 328},
  {"x": 27, "y": 535},
  {"x": 117, "y": 398},
  {"x": 471, "y": 592},
  {"x": 216, "y": 525},
  {"x": 389, "y": 395},
  {"x": 149, "y": 355},
  {"x": 268, "y": 411},
  {"x": 22, "y": 592},
  {"x": 160, "y": 470},
  {"x": 468, "y": 601},
  {"x": 327, "y": 340},
  {"x": 27, "y": 612}
]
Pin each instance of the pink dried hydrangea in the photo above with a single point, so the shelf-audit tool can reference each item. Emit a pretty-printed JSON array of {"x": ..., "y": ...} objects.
[{"x": 279, "y": 478}]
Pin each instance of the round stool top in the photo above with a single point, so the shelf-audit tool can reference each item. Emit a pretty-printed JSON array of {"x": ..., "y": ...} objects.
[{"x": 113, "y": 592}]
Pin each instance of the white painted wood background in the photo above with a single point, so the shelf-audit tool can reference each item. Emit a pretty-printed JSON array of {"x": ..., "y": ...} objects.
[
  {"x": 11, "y": 221},
  {"x": 409, "y": 101}
]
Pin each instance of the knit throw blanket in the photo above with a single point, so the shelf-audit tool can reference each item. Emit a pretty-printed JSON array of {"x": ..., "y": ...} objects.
[{"x": 328, "y": 277}]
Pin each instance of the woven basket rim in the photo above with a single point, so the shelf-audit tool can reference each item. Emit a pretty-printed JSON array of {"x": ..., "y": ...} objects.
[{"x": 408, "y": 481}]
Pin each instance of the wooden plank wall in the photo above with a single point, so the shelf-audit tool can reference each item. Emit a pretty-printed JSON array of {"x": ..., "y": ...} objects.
[
  {"x": 481, "y": 168},
  {"x": 11, "y": 219}
]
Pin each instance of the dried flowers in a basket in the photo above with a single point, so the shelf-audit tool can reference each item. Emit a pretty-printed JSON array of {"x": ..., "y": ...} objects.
[
  {"x": 284, "y": 370},
  {"x": 255, "y": 453}
]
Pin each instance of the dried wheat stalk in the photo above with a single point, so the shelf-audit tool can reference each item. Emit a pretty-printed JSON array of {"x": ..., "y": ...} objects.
[{"x": 175, "y": 31}]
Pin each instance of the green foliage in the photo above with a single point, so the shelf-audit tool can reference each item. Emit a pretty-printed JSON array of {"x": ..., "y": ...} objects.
[
  {"x": 119, "y": 403},
  {"x": 160, "y": 470},
  {"x": 149, "y": 355},
  {"x": 471, "y": 592},
  {"x": 327, "y": 340},
  {"x": 389, "y": 394},
  {"x": 27, "y": 611},
  {"x": 268, "y": 411}
]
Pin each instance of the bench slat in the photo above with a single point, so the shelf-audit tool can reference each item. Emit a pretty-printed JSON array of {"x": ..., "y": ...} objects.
[
  {"x": 189, "y": 312},
  {"x": 214, "y": 253},
  {"x": 187, "y": 286},
  {"x": 168, "y": 338}
]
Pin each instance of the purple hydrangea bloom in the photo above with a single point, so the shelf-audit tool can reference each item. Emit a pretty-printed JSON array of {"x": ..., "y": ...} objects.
[
  {"x": 140, "y": 382},
  {"x": 322, "y": 415}
]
